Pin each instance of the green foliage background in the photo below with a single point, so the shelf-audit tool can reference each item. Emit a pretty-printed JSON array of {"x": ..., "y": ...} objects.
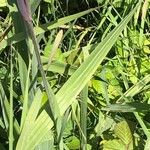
[{"x": 96, "y": 59}]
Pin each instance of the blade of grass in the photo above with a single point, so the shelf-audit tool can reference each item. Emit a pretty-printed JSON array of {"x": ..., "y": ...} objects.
[
  {"x": 67, "y": 94},
  {"x": 58, "y": 67},
  {"x": 35, "y": 128},
  {"x": 83, "y": 117},
  {"x": 34, "y": 5},
  {"x": 142, "y": 124},
  {"x": 61, "y": 21},
  {"x": 41, "y": 127},
  {"x": 135, "y": 89},
  {"x": 83, "y": 111},
  {"x": 43, "y": 28},
  {"x": 26, "y": 98},
  {"x": 6, "y": 111},
  {"x": 11, "y": 138},
  {"x": 55, "y": 47}
]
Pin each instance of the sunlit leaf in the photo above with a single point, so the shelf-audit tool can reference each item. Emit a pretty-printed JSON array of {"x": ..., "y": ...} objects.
[{"x": 123, "y": 132}]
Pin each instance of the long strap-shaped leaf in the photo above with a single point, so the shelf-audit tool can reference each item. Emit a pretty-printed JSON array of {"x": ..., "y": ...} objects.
[
  {"x": 67, "y": 94},
  {"x": 35, "y": 128}
]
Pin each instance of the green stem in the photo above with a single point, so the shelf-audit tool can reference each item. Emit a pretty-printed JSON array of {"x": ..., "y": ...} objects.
[
  {"x": 46, "y": 85},
  {"x": 11, "y": 106},
  {"x": 83, "y": 118}
]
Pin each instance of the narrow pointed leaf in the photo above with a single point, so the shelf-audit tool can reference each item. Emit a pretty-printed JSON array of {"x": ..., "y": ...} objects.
[
  {"x": 35, "y": 128},
  {"x": 67, "y": 94}
]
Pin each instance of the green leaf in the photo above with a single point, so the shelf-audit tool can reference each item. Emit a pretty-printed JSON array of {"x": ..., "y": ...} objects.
[
  {"x": 34, "y": 5},
  {"x": 135, "y": 89},
  {"x": 62, "y": 21},
  {"x": 67, "y": 94},
  {"x": 74, "y": 143},
  {"x": 46, "y": 143},
  {"x": 128, "y": 107},
  {"x": 34, "y": 128},
  {"x": 105, "y": 122},
  {"x": 58, "y": 67},
  {"x": 3, "y": 3},
  {"x": 113, "y": 145},
  {"x": 123, "y": 132},
  {"x": 6, "y": 112}
]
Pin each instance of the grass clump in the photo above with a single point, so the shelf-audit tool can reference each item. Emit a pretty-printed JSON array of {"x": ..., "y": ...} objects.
[{"x": 95, "y": 55}]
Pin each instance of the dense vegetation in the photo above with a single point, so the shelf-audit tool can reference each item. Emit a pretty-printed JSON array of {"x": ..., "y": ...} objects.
[{"x": 95, "y": 54}]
